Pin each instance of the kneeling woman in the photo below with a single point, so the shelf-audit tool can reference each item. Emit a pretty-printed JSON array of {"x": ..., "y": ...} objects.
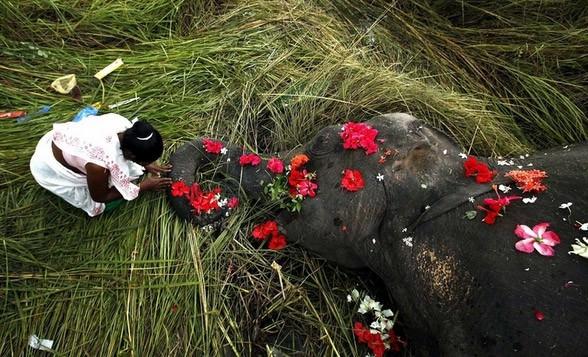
[{"x": 92, "y": 163}]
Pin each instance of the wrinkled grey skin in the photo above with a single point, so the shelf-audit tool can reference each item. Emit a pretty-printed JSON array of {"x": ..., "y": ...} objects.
[{"x": 461, "y": 288}]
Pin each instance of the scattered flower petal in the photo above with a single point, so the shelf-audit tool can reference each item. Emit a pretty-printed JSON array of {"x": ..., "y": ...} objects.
[
  {"x": 529, "y": 199},
  {"x": 380, "y": 177},
  {"x": 504, "y": 188},
  {"x": 407, "y": 241},
  {"x": 566, "y": 205},
  {"x": 539, "y": 315},
  {"x": 580, "y": 248}
]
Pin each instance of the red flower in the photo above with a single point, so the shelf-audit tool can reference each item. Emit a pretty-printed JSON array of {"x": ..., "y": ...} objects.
[
  {"x": 494, "y": 206},
  {"x": 359, "y": 331},
  {"x": 473, "y": 167},
  {"x": 528, "y": 180},
  {"x": 233, "y": 202},
  {"x": 249, "y": 159},
  {"x": 263, "y": 230},
  {"x": 352, "y": 180},
  {"x": 359, "y": 135},
  {"x": 275, "y": 165},
  {"x": 205, "y": 203},
  {"x": 179, "y": 189},
  {"x": 298, "y": 161},
  {"x": 377, "y": 345},
  {"x": 277, "y": 242},
  {"x": 470, "y": 166},
  {"x": 484, "y": 174},
  {"x": 212, "y": 146}
]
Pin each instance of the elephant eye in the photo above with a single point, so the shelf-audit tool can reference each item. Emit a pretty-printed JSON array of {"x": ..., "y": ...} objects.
[{"x": 323, "y": 144}]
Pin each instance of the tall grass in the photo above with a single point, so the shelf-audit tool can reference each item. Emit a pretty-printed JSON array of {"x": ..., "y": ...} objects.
[{"x": 269, "y": 74}]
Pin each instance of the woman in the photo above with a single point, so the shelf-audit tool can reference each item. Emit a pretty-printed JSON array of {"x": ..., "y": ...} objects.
[{"x": 92, "y": 163}]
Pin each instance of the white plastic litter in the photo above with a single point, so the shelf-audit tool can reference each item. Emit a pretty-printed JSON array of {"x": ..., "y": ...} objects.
[{"x": 40, "y": 344}]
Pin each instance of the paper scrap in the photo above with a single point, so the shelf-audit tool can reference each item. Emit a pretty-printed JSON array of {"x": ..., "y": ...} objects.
[
  {"x": 64, "y": 84},
  {"x": 123, "y": 102},
  {"x": 40, "y": 344},
  {"x": 109, "y": 69}
]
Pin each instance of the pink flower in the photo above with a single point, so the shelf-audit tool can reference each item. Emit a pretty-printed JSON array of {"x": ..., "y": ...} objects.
[
  {"x": 537, "y": 238},
  {"x": 233, "y": 202},
  {"x": 249, "y": 159},
  {"x": 212, "y": 146},
  {"x": 307, "y": 188},
  {"x": 359, "y": 136},
  {"x": 275, "y": 165}
]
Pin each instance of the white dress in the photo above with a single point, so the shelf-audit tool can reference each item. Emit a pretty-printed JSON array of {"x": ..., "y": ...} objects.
[{"x": 95, "y": 140}]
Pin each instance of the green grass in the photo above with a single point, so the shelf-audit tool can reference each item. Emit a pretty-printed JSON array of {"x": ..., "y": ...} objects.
[{"x": 500, "y": 79}]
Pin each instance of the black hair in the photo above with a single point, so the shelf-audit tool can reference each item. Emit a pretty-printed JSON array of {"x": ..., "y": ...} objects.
[{"x": 143, "y": 141}]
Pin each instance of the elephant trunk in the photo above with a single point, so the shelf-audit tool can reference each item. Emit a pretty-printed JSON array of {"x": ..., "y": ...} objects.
[{"x": 190, "y": 157}]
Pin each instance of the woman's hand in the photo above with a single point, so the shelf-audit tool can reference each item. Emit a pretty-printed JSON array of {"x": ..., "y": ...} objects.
[
  {"x": 155, "y": 183},
  {"x": 157, "y": 170}
]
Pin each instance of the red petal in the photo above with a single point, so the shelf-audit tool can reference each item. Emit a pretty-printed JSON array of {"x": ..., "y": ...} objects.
[{"x": 539, "y": 315}]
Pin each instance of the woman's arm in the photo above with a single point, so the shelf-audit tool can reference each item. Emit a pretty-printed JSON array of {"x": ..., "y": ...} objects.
[{"x": 97, "y": 177}]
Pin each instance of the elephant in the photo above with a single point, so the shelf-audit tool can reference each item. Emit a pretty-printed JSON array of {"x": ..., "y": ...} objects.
[{"x": 460, "y": 284}]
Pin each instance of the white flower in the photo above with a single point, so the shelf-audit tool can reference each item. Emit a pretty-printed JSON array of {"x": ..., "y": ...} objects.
[
  {"x": 423, "y": 185},
  {"x": 519, "y": 166},
  {"x": 565, "y": 205},
  {"x": 228, "y": 159},
  {"x": 504, "y": 188},
  {"x": 522, "y": 157},
  {"x": 407, "y": 241},
  {"x": 374, "y": 241},
  {"x": 224, "y": 151},
  {"x": 427, "y": 207},
  {"x": 471, "y": 199},
  {"x": 369, "y": 304},
  {"x": 445, "y": 152},
  {"x": 380, "y": 177},
  {"x": 583, "y": 226},
  {"x": 349, "y": 298},
  {"x": 462, "y": 155},
  {"x": 355, "y": 294},
  {"x": 504, "y": 163},
  {"x": 388, "y": 313},
  {"x": 404, "y": 230},
  {"x": 580, "y": 248},
  {"x": 531, "y": 164},
  {"x": 223, "y": 202},
  {"x": 529, "y": 199}
]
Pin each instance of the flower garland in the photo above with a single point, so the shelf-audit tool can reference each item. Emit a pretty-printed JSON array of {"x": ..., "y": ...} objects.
[{"x": 378, "y": 331}]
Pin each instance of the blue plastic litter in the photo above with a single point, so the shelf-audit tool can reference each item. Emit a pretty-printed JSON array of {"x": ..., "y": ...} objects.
[
  {"x": 43, "y": 110},
  {"x": 87, "y": 111}
]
